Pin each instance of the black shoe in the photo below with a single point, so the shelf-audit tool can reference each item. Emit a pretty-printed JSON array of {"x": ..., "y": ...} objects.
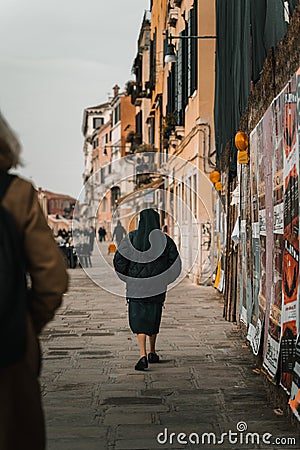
[
  {"x": 142, "y": 364},
  {"x": 153, "y": 358}
]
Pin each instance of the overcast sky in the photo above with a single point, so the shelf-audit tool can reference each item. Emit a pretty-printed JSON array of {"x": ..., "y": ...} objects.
[{"x": 56, "y": 58}]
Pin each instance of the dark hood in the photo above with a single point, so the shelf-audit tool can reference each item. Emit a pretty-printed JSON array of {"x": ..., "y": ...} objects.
[{"x": 149, "y": 220}]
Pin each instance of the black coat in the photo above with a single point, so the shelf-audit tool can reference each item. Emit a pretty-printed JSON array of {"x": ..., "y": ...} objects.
[{"x": 146, "y": 281}]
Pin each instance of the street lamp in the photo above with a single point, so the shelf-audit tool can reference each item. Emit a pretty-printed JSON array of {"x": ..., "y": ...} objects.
[{"x": 170, "y": 56}]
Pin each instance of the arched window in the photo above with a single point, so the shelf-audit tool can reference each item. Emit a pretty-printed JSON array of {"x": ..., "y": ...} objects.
[
  {"x": 115, "y": 195},
  {"x": 104, "y": 204}
]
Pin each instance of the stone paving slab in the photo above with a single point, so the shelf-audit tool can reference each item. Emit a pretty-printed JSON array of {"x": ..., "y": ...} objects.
[
  {"x": 94, "y": 399},
  {"x": 75, "y": 444},
  {"x": 69, "y": 430},
  {"x": 114, "y": 418}
]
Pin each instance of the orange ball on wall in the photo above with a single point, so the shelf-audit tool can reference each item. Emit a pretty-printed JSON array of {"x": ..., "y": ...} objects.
[
  {"x": 241, "y": 140},
  {"x": 215, "y": 176}
]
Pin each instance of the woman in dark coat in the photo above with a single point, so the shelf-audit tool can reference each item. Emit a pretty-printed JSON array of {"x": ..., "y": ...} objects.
[{"x": 147, "y": 260}]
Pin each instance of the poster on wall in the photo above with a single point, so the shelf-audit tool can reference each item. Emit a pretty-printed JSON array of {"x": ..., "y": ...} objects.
[
  {"x": 219, "y": 237},
  {"x": 295, "y": 389},
  {"x": 274, "y": 172},
  {"x": 271, "y": 358},
  {"x": 290, "y": 276},
  {"x": 267, "y": 248},
  {"x": 242, "y": 247},
  {"x": 255, "y": 325},
  {"x": 262, "y": 222},
  {"x": 245, "y": 301}
]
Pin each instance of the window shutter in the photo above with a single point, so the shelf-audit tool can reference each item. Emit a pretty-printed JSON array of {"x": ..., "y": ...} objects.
[
  {"x": 194, "y": 48},
  {"x": 102, "y": 175},
  {"x": 179, "y": 83},
  {"x": 185, "y": 65},
  {"x": 189, "y": 55}
]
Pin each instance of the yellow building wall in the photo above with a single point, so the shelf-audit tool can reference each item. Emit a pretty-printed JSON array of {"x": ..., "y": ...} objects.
[
  {"x": 158, "y": 25},
  {"x": 197, "y": 136}
]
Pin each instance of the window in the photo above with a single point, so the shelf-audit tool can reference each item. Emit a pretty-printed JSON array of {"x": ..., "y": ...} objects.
[
  {"x": 102, "y": 175},
  {"x": 139, "y": 128},
  {"x": 172, "y": 91},
  {"x": 183, "y": 200},
  {"x": 179, "y": 197},
  {"x": 115, "y": 194},
  {"x": 104, "y": 204},
  {"x": 97, "y": 121},
  {"x": 117, "y": 114},
  {"x": 95, "y": 143},
  {"x": 190, "y": 196},
  {"x": 186, "y": 68},
  {"x": 151, "y": 122},
  {"x": 152, "y": 75},
  {"x": 181, "y": 78},
  {"x": 192, "y": 51},
  {"x": 195, "y": 196}
]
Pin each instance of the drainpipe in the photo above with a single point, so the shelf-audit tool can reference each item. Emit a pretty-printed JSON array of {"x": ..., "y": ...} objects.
[
  {"x": 207, "y": 154},
  {"x": 205, "y": 129}
]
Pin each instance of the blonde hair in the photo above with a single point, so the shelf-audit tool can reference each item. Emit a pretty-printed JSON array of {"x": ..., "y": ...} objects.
[{"x": 10, "y": 147}]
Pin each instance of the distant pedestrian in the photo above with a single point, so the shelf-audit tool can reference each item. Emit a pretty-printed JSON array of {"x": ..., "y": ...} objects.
[
  {"x": 147, "y": 263},
  {"x": 21, "y": 414},
  {"x": 119, "y": 232},
  {"x": 91, "y": 239},
  {"x": 102, "y": 234}
]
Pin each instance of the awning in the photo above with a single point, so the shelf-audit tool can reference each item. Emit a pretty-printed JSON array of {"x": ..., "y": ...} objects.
[{"x": 154, "y": 184}]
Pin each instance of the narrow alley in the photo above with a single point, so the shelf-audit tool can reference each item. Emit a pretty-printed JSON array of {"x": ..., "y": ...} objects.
[{"x": 205, "y": 383}]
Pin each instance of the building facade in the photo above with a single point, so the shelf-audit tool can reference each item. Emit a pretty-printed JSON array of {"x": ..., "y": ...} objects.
[
  {"x": 174, "y": 115},
  {"x": 106, "y": 129},
  {"x": 58, "y": 209}
]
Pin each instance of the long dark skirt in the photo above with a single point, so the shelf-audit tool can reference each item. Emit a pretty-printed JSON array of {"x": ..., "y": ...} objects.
[{"x": 144, "y": 317}]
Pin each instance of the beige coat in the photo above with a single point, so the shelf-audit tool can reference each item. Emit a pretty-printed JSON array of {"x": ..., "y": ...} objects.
[{"x": 21, "y": 416}]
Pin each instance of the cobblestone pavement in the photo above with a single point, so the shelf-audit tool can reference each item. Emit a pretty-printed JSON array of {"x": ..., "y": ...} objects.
[{"x": 94, "y": 399}]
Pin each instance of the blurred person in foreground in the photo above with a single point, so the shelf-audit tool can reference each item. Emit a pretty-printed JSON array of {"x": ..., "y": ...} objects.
[
  {"x": 148, "y": 261},
  {"x": 21, "y": 415}
]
